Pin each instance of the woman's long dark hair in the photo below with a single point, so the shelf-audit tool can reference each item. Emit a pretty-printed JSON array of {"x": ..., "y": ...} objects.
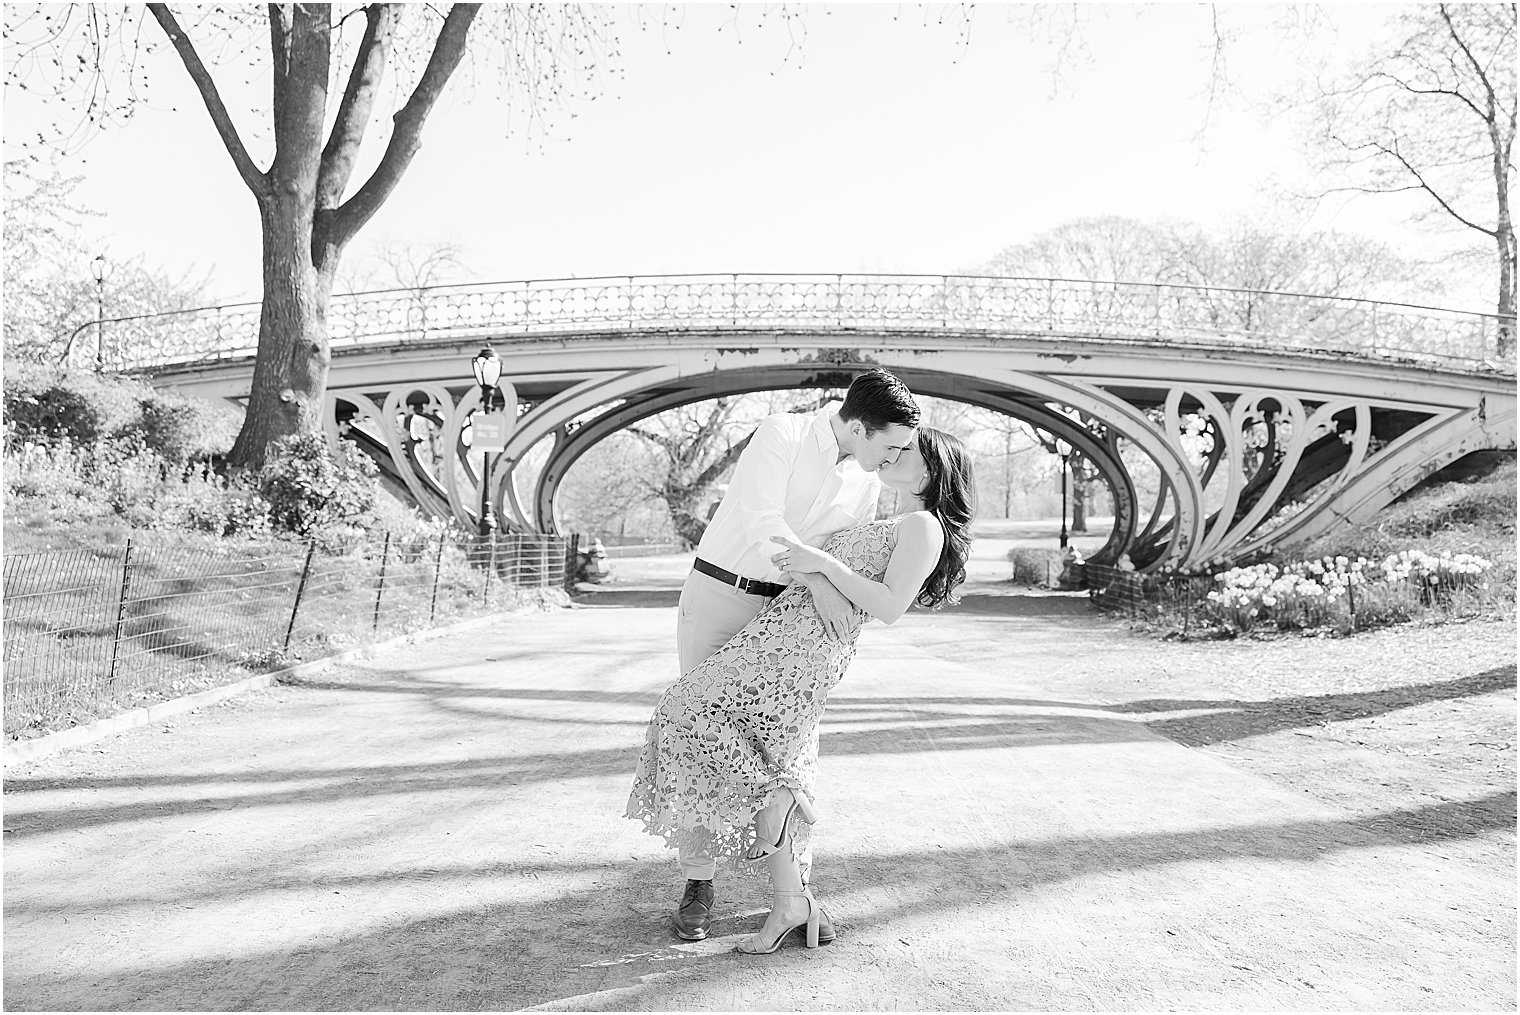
[{"x": 950, "y": 494}]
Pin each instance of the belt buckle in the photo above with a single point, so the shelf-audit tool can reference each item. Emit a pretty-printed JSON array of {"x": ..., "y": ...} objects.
[{"x": 739, "y": 583}]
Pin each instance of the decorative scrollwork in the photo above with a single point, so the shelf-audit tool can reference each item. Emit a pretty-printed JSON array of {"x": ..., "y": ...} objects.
[{"x": 1133, "y": 312}]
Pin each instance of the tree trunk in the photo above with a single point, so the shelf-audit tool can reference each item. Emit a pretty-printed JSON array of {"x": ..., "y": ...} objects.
[
  {"x": 1007, "y": 473},
  {"x": 306, "y": 221},
  {"x": 1078, "y": 501},
  {"x": 290, "y": 373},
  {"x": 683, "y": 519},
  {"x": 1505, "y": 237}
]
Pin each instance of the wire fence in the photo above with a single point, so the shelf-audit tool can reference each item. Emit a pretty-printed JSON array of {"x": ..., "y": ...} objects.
[{"x": 89, "y": 633}]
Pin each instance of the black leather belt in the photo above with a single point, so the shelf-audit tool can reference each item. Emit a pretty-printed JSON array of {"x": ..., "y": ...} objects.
[{"x": 743, "y": 584}]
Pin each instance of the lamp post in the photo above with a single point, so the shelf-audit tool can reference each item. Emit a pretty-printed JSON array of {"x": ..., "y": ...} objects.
[
  {"x": 487, "y": 368},
  {"x": 100, "y": 269},
  {"x": 1064, "y": 450}
]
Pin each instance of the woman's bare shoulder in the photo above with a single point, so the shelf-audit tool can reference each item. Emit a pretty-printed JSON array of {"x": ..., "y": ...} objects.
[{"x": 921, "y": 526}]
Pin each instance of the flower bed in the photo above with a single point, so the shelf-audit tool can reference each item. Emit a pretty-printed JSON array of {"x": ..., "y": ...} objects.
[{"x": 1343, "y": 594}]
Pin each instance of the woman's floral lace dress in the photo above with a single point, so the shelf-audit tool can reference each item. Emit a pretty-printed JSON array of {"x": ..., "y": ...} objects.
[{"x": 744, "y": 722}]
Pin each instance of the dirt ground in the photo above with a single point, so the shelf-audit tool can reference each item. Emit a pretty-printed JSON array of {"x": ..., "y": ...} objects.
[
  {"x": 1401, "y": 726},
  {"x": 1027, "y": 808},
  {"x": 1396, "y": 725}
]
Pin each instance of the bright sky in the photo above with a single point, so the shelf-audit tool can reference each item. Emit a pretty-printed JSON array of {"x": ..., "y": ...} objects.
[{"x": 887, "y": 144}]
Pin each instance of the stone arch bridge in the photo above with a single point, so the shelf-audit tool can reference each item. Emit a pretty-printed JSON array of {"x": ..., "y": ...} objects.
[{"x": 1269, "y": 418}]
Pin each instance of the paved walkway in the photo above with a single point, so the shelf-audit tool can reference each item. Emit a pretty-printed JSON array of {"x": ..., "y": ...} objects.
[{"x": 440, "y": 829}]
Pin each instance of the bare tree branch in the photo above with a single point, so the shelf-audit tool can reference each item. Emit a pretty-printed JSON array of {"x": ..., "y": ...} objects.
[
  {"x": 1466, "y": 51},
  {"x": 1393, "y": 152},
  {"x": 358, "y": 101},
  {"x": 1412, "y": 90},
  {"x": 406, "y": 138},
  {"x": 252, "y": 176}
]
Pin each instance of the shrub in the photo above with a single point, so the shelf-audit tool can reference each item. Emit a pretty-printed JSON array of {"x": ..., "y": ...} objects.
[
  {"x": 216, "y": 508},
  {"x": 134, "y": 481},
  {"x": 52, "y": 415},
  {"x": 1036, "y": 568},
  {"x": 53, "y": 472},
  {"x": 170, "y": 427},
  {"x": 309, "y": 488}
]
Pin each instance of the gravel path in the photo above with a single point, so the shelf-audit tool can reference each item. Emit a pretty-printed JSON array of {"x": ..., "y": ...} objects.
[{"x": 1026, "y": 808}]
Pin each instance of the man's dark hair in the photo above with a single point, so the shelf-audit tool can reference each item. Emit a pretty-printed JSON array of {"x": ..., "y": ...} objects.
[{"x": 879, "y": 400}]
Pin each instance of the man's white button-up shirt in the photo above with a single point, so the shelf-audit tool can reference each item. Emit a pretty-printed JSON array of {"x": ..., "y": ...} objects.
[{"x": 788, "y": 481}]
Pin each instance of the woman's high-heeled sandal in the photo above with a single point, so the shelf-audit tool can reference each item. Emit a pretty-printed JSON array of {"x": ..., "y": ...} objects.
[
  {"x": 810, "y": 924},
  {"x": 764, "y": 850}
]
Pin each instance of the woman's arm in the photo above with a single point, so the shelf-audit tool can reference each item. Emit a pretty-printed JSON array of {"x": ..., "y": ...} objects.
[{"x": 919, "y": 541}]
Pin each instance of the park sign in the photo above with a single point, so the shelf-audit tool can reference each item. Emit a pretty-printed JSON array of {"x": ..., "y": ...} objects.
[{"x": 490, "y": 432}]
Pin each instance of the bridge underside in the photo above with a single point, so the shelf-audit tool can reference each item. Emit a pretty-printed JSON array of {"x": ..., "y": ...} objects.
[{"x": 1238, "y": 450}]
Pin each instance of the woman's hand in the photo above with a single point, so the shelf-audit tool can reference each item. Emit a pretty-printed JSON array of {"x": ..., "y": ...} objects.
[{"x": 799, "y": 557}]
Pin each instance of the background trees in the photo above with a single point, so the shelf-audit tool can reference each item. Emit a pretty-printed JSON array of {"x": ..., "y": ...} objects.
[
  {"x": 48, "y": 292},
  {"x": 1237, "y": 255},
  {"x": 310, "y": 197},
  {"x": 1432, "y": 111},
  {"x": 343, "y": 94},
  {"x": 667, "y": 472}
]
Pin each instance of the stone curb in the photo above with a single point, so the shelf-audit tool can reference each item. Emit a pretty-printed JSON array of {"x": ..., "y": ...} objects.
[{"x": 41, "y": 747}]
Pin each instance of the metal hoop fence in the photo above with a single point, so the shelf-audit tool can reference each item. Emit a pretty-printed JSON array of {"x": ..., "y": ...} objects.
[{"x": 90, "y": 633}]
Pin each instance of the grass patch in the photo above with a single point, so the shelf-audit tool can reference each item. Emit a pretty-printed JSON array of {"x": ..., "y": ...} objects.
[
  {"x": 94, "y": 631},
  {"x": 207, "y": 593}
]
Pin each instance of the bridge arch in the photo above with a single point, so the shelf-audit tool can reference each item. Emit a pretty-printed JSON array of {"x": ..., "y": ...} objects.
[
  {"x": 640, "y": 404},
  {"x": 1269, "y": 418}
]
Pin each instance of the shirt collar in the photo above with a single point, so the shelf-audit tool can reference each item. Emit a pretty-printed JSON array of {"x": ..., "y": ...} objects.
[{"x": 823, "y": 433}]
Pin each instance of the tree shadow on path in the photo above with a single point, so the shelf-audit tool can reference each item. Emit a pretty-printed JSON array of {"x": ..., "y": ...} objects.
[
  {"x": 607, "y": 929},
  {"x": 1240, "y": 719},
  {"x": 854, "y": 726}
]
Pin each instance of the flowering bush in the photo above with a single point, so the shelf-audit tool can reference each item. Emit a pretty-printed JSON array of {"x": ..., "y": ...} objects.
[
  {"x": 310, "y": 489},
  {"x": 1341, "y": 593},
  {"x": 219, "y": 509}
]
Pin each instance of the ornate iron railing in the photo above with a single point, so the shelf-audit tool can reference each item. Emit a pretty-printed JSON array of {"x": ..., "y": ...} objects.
[{"x": 1060, "y": 308}]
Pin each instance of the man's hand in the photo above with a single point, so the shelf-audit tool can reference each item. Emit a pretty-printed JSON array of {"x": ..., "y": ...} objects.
[
  {"x": 799, "y": 558},
  {"x": 834, "y": 610}
]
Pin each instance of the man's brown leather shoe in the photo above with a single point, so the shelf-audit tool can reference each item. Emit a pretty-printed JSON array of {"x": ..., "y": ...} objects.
[{"x": 695, "y": 914}]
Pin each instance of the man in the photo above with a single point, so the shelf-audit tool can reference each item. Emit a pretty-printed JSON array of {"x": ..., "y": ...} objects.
[{"x": 801, "y": 476}]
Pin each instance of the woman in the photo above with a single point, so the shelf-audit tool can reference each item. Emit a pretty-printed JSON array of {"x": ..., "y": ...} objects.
[{"x": 731, "y": 753}]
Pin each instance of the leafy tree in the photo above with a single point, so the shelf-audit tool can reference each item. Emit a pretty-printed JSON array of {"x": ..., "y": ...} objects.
[
  {"x": 308, "y": 205},
  {"x": 50, "y": 294}
]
